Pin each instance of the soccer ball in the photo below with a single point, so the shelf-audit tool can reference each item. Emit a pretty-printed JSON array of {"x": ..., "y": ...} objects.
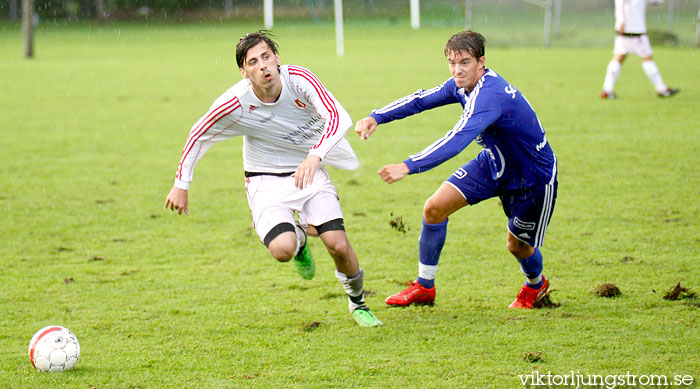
[{"x": 54, "y": 348}]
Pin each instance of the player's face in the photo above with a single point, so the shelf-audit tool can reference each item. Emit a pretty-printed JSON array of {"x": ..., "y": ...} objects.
[
  {"x": 465, "y": 69},
  {"x": 260, "y": 66}
]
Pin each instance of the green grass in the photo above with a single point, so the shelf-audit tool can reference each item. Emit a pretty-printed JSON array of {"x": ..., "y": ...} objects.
[{"x": 92, "y": 130}]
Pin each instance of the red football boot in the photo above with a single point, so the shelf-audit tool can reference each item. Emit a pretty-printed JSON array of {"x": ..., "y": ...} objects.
[
  {"x": 529, "y": 296},
  {"x": 414, "y": 294}
]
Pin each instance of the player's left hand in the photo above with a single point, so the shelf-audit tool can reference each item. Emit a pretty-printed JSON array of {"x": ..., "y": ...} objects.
[
  {"x": 393, "y": 172},
  {"x": 304, "y": 175}
]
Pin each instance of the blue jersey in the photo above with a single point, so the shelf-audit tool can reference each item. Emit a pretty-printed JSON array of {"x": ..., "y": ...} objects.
[{"x": 497, "y": 116}]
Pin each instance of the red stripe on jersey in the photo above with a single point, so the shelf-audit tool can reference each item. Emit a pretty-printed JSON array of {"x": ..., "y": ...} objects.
[
  {"x": 214, "y": 116},
  {"x": 210, "y": 117},
  {"x": 327, "y": 101},
  {"x": 322, "y": 92},
  {"x": 46, "y": 332}
]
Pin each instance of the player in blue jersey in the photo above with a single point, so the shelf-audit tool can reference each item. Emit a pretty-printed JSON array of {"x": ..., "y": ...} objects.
[{"x": 516, "y": 165}]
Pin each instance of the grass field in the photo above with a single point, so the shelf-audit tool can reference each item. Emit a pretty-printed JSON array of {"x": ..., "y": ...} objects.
[{"x": 92, "y": 130}]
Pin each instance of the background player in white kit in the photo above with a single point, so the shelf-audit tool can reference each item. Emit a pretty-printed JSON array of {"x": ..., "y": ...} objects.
[
  {"x": 291, "y": 126},
  {"x": 631, "y": 37}
]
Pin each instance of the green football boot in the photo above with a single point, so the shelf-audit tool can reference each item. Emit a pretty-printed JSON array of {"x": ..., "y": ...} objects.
[
  {"x": 304, "y": 263},
  {"x": 364, "y": 318}
]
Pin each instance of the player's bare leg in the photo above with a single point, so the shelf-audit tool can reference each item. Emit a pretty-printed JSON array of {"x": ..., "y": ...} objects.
[
  {"x": 341, "y": 251},
  {"x": 444, "y": 202},
  {"x": 530, "y": 261},
  {"x": 350, "y": 275},
  {"x": 518, "y": 248}
]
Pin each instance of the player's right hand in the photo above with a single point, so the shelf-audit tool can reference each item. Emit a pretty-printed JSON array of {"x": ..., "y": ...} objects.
[
  {"x": 393, "y": 172},
  {"x": 365, "y": 127},
  {"x": 177, "y": 201}
]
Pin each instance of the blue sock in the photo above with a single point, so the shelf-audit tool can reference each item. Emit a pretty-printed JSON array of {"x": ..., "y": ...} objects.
[
  {"x": 532, "y": 267},
  {"x": 432, "y": 238}
]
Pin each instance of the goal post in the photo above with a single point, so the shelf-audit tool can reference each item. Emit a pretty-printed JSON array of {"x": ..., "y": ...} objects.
[
  {"x": 339, "y": 44},
  {"x": 415, "y": 14},
  {"x": 552, "y": 16},
  {"x": 467, "y": 14},
  {"x": 268, "y": 14},
  {"x": 697, "y": 29},
  {"x": 28, "y": 27}
]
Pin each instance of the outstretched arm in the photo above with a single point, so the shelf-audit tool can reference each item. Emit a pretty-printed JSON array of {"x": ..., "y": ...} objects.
[
  {"x": 365, "y": 127},
  {"x": 419, "y": 101},
  {"x": 393, "y": 172},
  {"x": 216, "y": 125}
]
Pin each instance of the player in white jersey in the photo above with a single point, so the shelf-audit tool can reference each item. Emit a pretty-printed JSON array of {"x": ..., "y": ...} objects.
[
  {"x": 631, "y": 38},
  {"x": 292, "y": 127}
]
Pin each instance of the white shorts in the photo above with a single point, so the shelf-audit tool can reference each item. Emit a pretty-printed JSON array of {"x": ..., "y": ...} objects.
[
  {"x": 637, "y": 45},
  {"x": 273, "y": 200}
]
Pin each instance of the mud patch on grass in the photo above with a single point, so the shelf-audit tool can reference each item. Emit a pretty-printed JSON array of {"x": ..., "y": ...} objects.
[
  {"x": 533, "y": 357},
  {"x": 312, "y": 326},
  {"x": 607, "y": 290},
  {"x": 298, "y": 287},
  {"x": 331, "y": 295}
]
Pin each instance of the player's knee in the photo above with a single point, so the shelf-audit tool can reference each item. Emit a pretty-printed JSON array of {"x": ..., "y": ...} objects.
[
  {"x": 281, "y": 241},
  {"x": 281, "y": 252},
  {"x": 433, "y": 212},
  {"x": 338, "y": 248},
  {"x": 519, "y": 249}
]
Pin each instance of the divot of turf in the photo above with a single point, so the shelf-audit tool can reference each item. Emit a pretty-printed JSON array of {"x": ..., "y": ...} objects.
[
  {"x": 679, "y": 292},
  {"x": 546, "y": 301},
  {"x": 607, "y": 290},
  {"x": 398, "y": 224}
]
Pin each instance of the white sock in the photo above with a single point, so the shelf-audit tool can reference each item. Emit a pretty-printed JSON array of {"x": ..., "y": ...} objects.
[
  {"x": 534, "y": 281},
  {"x": 301, "y": 239},
  {"x": 611, "y": 75},
  {"x": 427, "y": 272},
  {"x": 354, "y": 288},
  {"x": 654, "y": 75}
]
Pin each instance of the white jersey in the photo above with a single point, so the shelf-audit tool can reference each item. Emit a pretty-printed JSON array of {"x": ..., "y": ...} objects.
[
  {"x": 631, "y": 13},
  {"x": 277, "y": 137}
]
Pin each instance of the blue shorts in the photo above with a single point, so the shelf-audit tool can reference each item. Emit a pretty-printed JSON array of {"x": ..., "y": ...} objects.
[{"x": 528, "y": 210}]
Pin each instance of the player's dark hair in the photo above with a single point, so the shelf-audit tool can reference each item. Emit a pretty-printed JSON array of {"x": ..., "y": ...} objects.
[
  {"x": 470, "y": 41},
  {"x": 249, "y": 40}
]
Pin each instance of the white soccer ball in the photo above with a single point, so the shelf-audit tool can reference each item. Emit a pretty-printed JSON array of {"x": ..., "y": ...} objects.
[{"x": 54, "y": 348}]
